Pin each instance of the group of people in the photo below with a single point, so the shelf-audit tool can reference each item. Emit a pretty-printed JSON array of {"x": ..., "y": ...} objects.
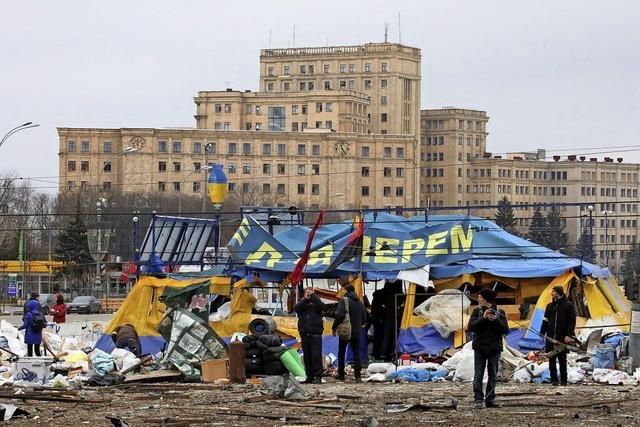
[
  {"x": 488, "y": 323},
  {"x": 34, "y": 321}
]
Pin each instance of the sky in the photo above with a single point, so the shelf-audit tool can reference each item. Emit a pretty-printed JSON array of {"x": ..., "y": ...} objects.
[{"x": 560, "y": 75}]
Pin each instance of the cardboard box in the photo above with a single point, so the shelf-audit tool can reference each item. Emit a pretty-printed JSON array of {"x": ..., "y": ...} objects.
[{"x": 214, "y": 370}]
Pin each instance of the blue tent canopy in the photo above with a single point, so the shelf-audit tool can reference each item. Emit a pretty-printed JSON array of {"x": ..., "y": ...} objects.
[{"x": 451, "y": 245}]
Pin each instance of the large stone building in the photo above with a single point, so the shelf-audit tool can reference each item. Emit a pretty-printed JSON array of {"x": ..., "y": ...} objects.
[
  {"x": 330, "y": 127},
  {"x": 458, "y": 172}
]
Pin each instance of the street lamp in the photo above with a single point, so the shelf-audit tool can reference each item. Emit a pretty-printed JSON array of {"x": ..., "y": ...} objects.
[
  {"x": 202, "y": 169},
  {"x": 27, "y": 125},
  {"x": 127, "y": 150},
  {"x": 606, "y": 235}
]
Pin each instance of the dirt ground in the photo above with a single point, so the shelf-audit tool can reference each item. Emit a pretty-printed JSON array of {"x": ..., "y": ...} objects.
[{"x": 209, "y": 404}]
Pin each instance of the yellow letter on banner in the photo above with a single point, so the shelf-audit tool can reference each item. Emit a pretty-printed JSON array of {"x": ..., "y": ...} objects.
[
  {"x": 264, "y": 249},
  {"x": 434, "y": 240},
  {"x": 458, "y": 238},
  {"x": 410, "y": 247},
  {"x": 321, "y": 256}
]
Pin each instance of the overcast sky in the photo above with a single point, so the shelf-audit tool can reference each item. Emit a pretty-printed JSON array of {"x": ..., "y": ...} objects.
[{"x": 551, "y": 74}]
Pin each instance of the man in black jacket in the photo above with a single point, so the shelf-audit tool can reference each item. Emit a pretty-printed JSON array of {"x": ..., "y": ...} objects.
[
  {"x": 357, "y": 316},
  {"x": 488, "y": 324},
  {"x": 559, "y": 323},
  {"x": 309, "y": 311}
]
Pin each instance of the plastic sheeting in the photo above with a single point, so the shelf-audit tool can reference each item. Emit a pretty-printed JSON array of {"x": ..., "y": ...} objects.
[{"x": 446, "y": 311}]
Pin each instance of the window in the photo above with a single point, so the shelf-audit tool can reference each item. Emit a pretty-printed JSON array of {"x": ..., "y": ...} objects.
[
  {"x": 266, "y": 168},
  {"x": 383, "y": 83},
  {"x": 84, "y": 166},
  {"x": 286, "y": 86},
  {"x": 106, "y": 166},
  {"x": 233, "y": 148},
  {"x": 383, "y": 100},
  {"x": 383, "y": 117},
  {"x": 248, "y": 126},
  {"x": 197, "y": 147},
  {"x": 281, "y": 169},
  {"x": 300, "y": 188},
  {"x": 304, "y": 108},
  {"x": 328, "y": 124},
  {"x": 399, "y": 191},
  {"x": 311, "y": 69},
  {"x": 400, "y": 152},
  {"x": 343, "y": 68},
  {"x": 227, "y": 108},
  {"x": 386, "y": 152},
  {"x": 318, "y": 107},
  {"x": 162, "y": 186},
  {"x": 352, "y": 68},
  {"x": 266, "y": 188},
  {"x": 71, "y": 146},
  {"x": 400, "y": 172},
  {"x": 258, "y": 110},
  {"x": 246, "y": 188},
  {"x": 303, "y": 69},
  {"x": 352, "y": 85},
  {"x": 196, "y": 186},
  {"x": 294, "y": 126},
  {"x": 232, "y": 187},
  {"x": 162, "y": 166},
  {"x": 303, "y": 86},
  {"x": 365, "y": 171},
  {"x": 106, "y": 146},
  {"x": 364, "y": 191},
  {"x": 248, "y": 109},
  {"x": 218, "y": 108},
  {"x": 315, "y": 149},
  {"x": 384, "y": 67},
  {"x": 270, "y": 71},
  {"x": 315, "y": 169},
  {"x": 301, "y": 170},
  {"x": 386, "y": 191},
  {"x": 367, "y": 67},
  {"x": 176, "y": 186},
  {"x": 71, "y": 166},
  {"x": 280, "y": 189},
  {"x": 217, "y": 125},
  {"x": 196, "y": 166},
  {"x": 365, "y": 151},
  {"x": 329, "y": 107},
  {"x": 282, "y": 149},
  {"x": 318, "y": 124},
  {"x": 327, "y": 85},
  {"x": 176, "y": 147},
  {"x": 326, "y": 68},
  {"x": 287, "y": 70},
  {"x": 226, "y": 126},
  {"x": 246, "y": 148},
  {"x": 342, "y": 84},
  {"x": 246, "y": 168},
  {"x": 315, "y": 189},
  {"x": 176, "y": 166},
  {"x": 302, "y": 149},
  {"x": 386, "y": 172},
  {"x": 85, "y": 146},
  {"x": 210, "y": 148},
  {"x": 367, "y": 84},
  {"x": 311, "y": 85},
  {"x": 231, "y": 167},
  {"x": 270, "y": 87}
]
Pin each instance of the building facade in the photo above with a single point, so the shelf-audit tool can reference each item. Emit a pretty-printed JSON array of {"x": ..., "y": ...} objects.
[{"x": 307, "y": 169}]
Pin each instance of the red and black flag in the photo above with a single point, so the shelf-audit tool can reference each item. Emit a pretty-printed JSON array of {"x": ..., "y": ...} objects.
[
  {"x": 353, "y": 245},
  {"x": 298, "y": 272}
]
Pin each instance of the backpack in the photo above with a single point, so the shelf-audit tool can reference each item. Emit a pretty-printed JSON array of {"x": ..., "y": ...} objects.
[
  {"x": 344, "y": 329},
  {"x": 38, "y": 322}
]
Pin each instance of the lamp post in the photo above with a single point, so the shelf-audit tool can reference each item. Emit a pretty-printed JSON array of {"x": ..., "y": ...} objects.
[
  {"x": 127, "y": 150},
  {"x": 202, "y": 169},
  {"x": 606, "y": 235},
  {"x": 27, "y": 125},
  {"x": 207, "y": 149},
  {"x": 217, "y": 188}
]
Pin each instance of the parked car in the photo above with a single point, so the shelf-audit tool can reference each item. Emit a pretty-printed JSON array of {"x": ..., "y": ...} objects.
[
  {"x": 47, "y": 301},
  {"x": 84, "y": 304}
]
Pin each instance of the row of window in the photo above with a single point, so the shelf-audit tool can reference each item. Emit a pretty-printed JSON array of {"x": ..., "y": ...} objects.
[
  {"x": 387, "y": 172},
  {"x": 326, "y": 69},
  {"x": 439, "y": 124},
  {"x": 432, "y": 157},
  {"x": 432, "y": 173},
  {"x": 433, "y": 140},
  {"x": 310, "y": 86},
  {"x": 85, "y": 147}
]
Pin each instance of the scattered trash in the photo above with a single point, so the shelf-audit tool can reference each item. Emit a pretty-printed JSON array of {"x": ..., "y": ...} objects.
[
  {"x": 285, "y": 387},
  {"x": 8, "y": 412}
]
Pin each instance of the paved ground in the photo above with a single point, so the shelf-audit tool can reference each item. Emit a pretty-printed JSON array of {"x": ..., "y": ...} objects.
[{"x": 209, "y": 404}]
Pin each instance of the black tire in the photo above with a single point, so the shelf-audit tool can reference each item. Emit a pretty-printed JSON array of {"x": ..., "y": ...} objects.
[{"x": 274, "y": 368}]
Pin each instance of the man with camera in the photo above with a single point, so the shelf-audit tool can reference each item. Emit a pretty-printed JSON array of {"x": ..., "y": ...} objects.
[
  {"x": 558, "y": 324},
  {"x": 488, "y": 324}
]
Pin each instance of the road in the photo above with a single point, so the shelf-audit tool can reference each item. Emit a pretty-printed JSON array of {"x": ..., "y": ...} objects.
[{"x": 76, "y": 324}]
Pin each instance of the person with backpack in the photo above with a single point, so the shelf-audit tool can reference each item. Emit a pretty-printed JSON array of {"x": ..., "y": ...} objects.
[
  {"x": 350, "y": 317},
  {"x": 34, "y": 323}
]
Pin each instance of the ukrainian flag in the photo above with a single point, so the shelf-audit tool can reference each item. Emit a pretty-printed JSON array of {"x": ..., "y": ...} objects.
[{"x": 217, "y": 184}]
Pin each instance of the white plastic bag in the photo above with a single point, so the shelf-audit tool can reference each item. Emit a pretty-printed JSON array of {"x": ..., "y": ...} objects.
[
  {"x": 446, "y": 311},
  {"x": 222, "y": 313}
]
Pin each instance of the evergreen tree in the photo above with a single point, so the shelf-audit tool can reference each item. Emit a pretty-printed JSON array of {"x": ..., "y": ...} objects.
[
  {"x": 73, "y": 249},
  {"x": 505, "y": 217},
  {"x": 538, "y": 227},
  {"x": 584, "y": 247},
  {"x": 631, "y": 271},
  {"x": 556, "y": 238}
]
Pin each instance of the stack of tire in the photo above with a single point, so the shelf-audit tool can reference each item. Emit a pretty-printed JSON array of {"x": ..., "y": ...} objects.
[{"x": 262, "y": 355}]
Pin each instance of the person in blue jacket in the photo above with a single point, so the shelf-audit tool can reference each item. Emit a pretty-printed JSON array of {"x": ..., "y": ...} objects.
[{"x": 33, "y": 330}]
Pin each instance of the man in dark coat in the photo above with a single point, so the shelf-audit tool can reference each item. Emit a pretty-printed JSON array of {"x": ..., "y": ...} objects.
[
  {"x": 126, "y": 337},
  {"x": 358, "y": 317},
  {"x": 309, "y": 311},
  {"x": 559, "y": 323},
  {"x": 488, "y": 324},
  {"x": 377, "y": 319}
]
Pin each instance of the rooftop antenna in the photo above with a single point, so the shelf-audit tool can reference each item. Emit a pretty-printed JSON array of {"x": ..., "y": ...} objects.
[
  {"x": 386, "y": 31},
  {"x": 399, "y": 30},
  {"x": 294, "y": 35}
]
